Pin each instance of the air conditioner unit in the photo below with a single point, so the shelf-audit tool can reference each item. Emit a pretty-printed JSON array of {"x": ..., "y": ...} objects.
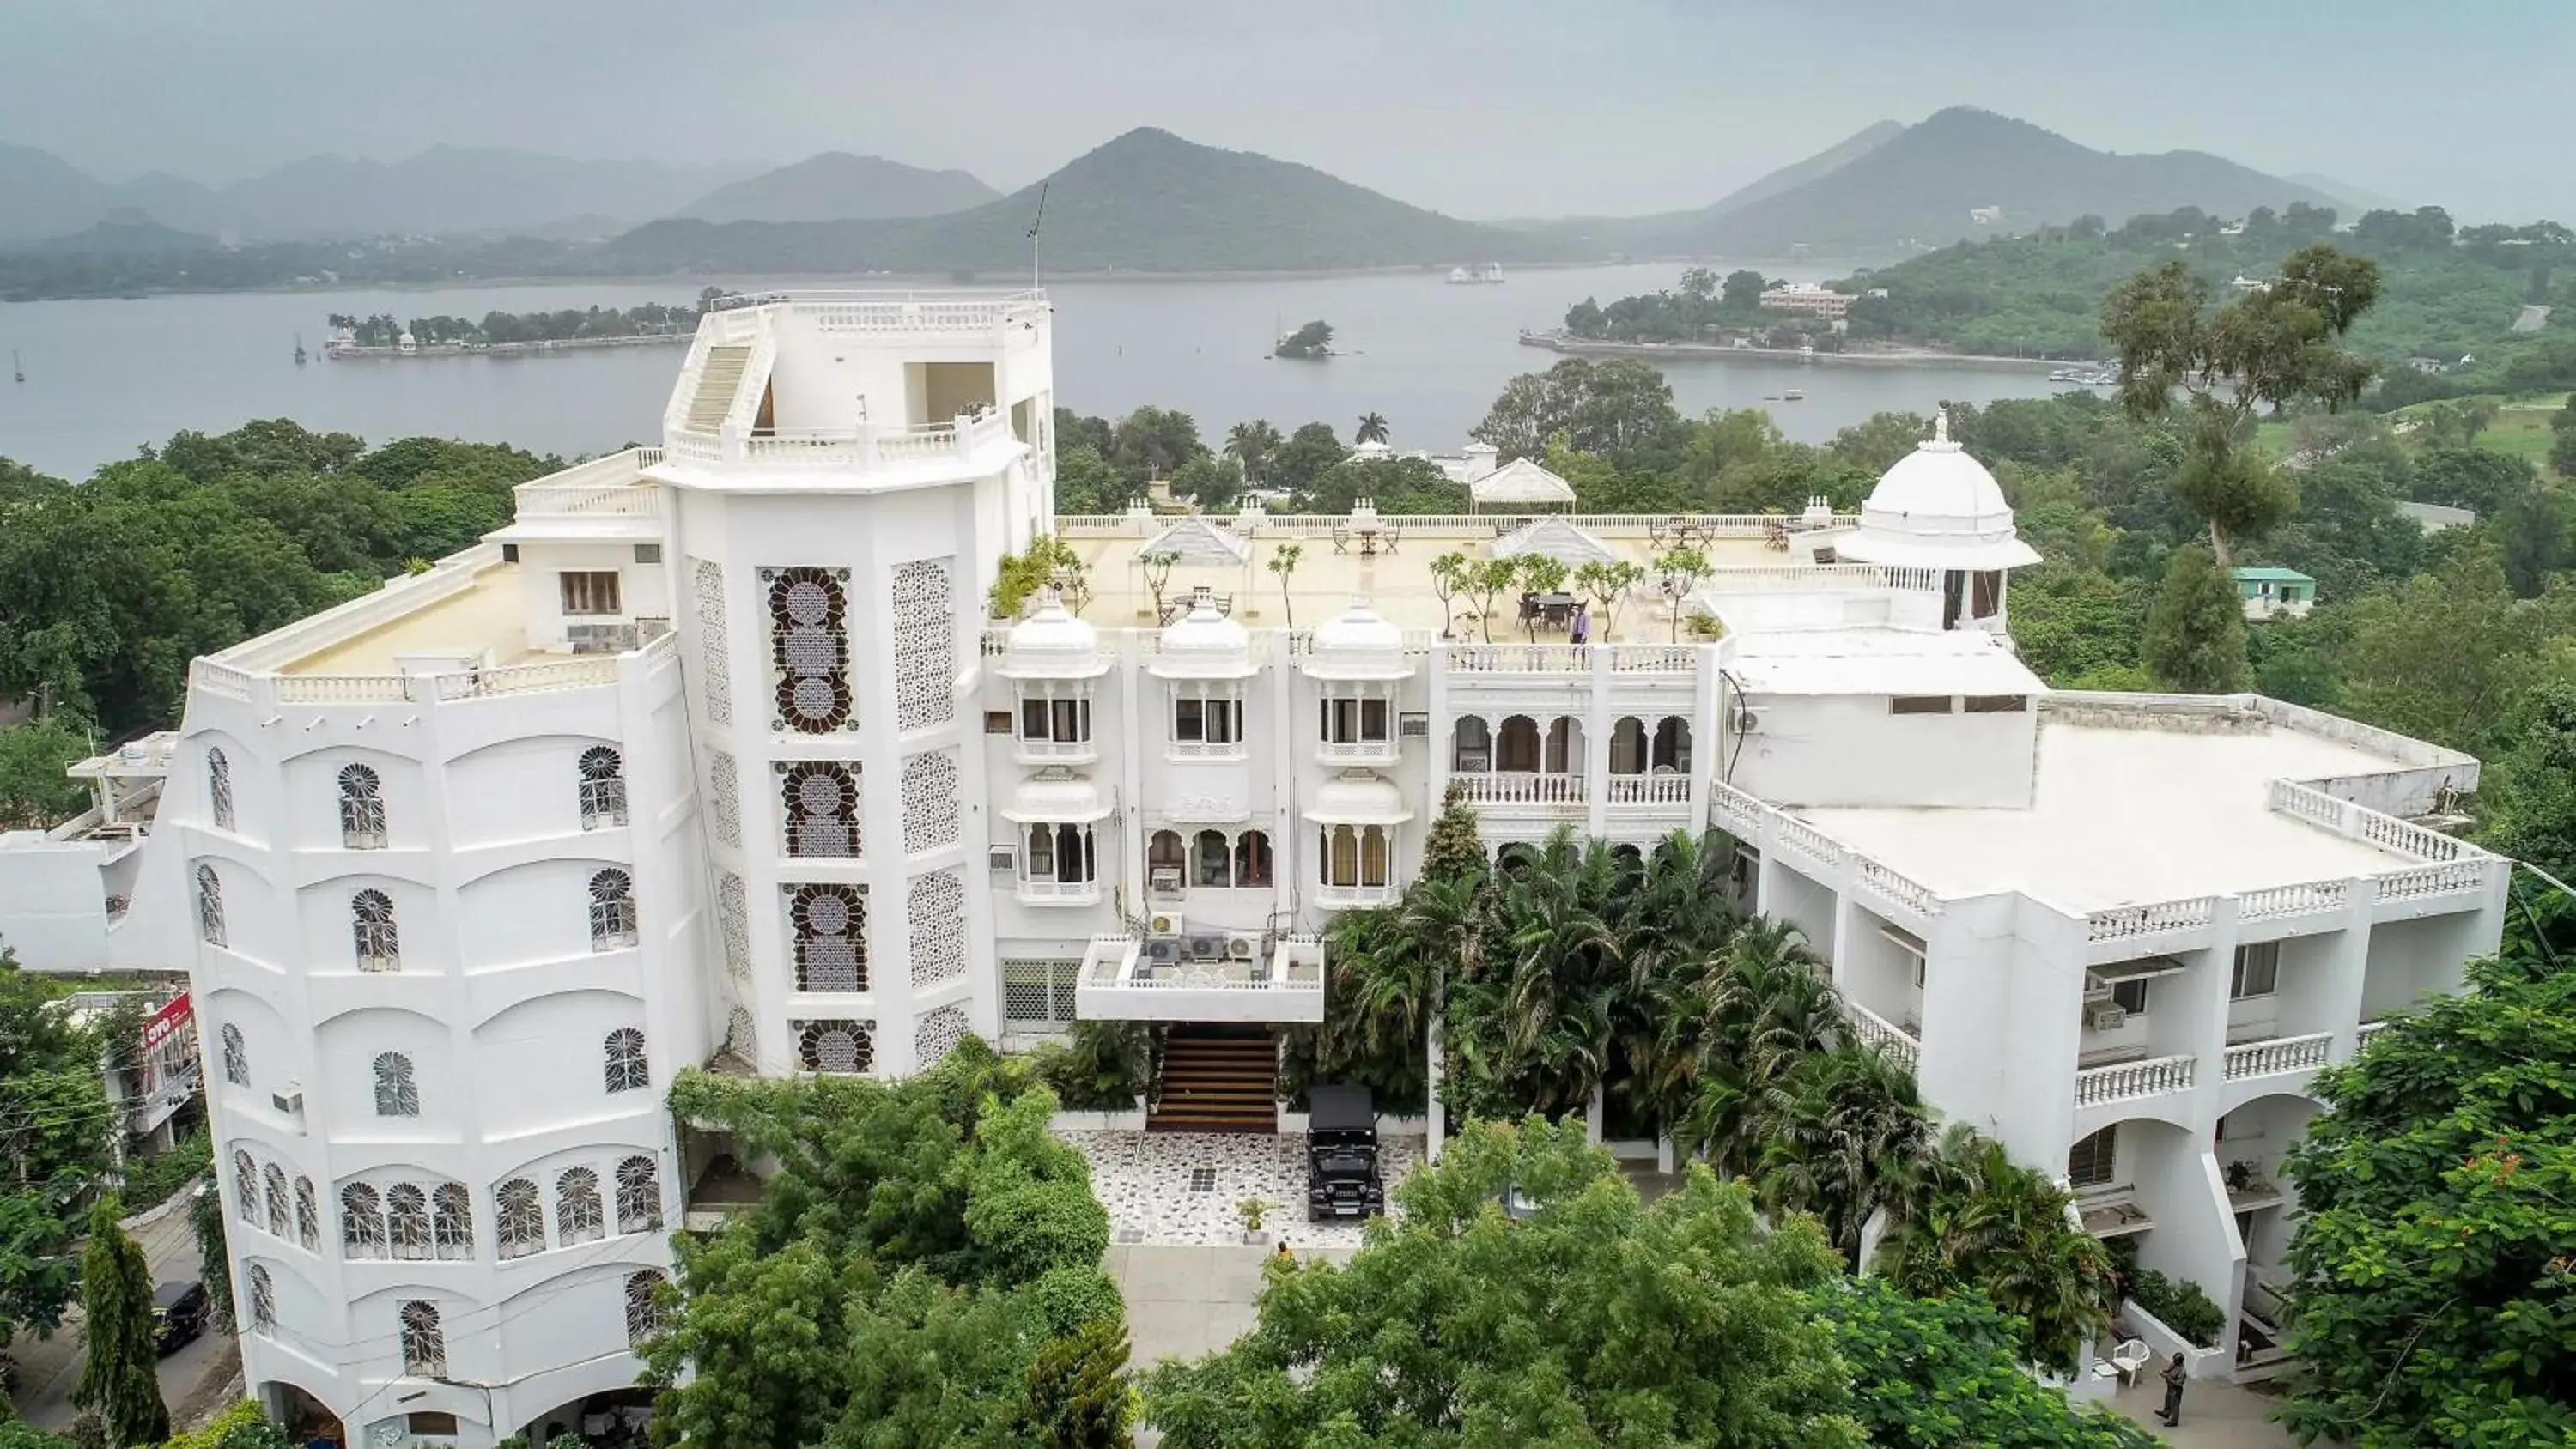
[
  {"x": 1241, "y": 947},
  {"x": 1747, "y": 722},
  {"x": 1164, "y": 880},
  {"x": 290, "y": 1102},
  {"x": 1163, "y": 950},
  {"x": 999, "y": 858},
  {"x": 2107, "y": 1017},
  {"x": 1163, "y": 923},
  {"x": 1207, "y": 946}
]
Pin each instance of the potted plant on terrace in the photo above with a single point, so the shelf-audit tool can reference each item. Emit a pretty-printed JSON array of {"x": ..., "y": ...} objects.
[{"x": 1252, "y": 1210}]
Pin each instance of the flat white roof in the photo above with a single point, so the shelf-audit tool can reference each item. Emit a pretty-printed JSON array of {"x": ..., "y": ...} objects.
[
  {"x": 1862, "y": 660},
  {"x": 2127, "y": 816}
]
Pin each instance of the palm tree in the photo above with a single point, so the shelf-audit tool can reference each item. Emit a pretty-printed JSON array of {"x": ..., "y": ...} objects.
[
  {"x": 1968, "y": 1216},
  {"x": 1842, "y": 1130},
  {"x": 1253, "y": 445},
  {"x": 1372, "y": 428},
  {"x": 1552, "y": 947}
]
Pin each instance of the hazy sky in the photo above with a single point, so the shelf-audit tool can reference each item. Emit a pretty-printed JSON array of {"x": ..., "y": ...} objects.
[{"x": 1476, "y": 107}]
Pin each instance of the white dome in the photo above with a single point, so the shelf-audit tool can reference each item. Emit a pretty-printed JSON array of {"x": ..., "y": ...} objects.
[
  {"x": 1356, "y": 797},
  {"x": 1204, "y": 645},
  {"x": 1052, "y": 644},
  {"x": 1358, "y": 643},
  {"x": 1937, "y": 508}
]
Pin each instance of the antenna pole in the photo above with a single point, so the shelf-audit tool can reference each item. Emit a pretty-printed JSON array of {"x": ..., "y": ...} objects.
[{"x": 1033, "y": 235}]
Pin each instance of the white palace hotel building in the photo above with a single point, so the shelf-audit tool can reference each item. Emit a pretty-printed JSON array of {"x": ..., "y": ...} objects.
[{"x": 713, "y": 757}]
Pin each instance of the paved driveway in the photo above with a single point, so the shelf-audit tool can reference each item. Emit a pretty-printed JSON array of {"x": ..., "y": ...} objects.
[{"x": 1180, "y": 1188}]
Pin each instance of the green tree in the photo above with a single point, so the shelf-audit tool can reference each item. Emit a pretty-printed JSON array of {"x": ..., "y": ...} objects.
[
  {"x": 2448, "y": 657},
  {"x": 1878, "y": 444},
  {"x": 1253, "y": 445},
  {"x": 1283, "y": 563},
  {"x": 1455, "y": 848},
  {"x": 1310, "y": 450},
  {"x": 1603, "y": 407},
  {"x": 1601, "y": 1321},
  {"x": 1315, "y": 339},
  {"x": 120, "y": 1373},
  {"x": 2195, "y": 639},
  {"x": 1372, "y": 429},
  {"x": 1155, "y": 442},
  {"x": 36, "y": 1278},
  {"x": 214, "y": 1256},
  {"x": 2532, "y": 788},
  {"x": 1078, "y": 1394},
  {"x": 1743, "y": 290},
  {"x": 2265, "y": 350},
  {"x": 34, "y": 792},
  {"x": 2431, "y": 1293},
  {"x": 1839, "y": 1136},
  {"x": 2562, "y": 439},
  {"x": 1969, "y": 1218},
  {"x": 1928, "y": 1373}
]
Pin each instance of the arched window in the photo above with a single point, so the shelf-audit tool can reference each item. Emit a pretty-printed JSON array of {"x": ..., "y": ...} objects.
[
  {"x": 308, "y": 1216},
  {"x": 246, "y": 1187},
  {"x": 612, "y": 910},
  {"x": 1628, "y": 746},
  {"x": 362, "y": 1222},
  {"x": 831, "y": 925},
  {"x": 1252, "y": 859},
  {"x": 219, "y": 788},
  {"x": 836, "y": 1046},
  {"x": 451, "y": 1221},
  {"x": 519, "y": 1221},
  {"x": 263, "y": 1301},
  {"x": 1214, "y": 864},
  {"x": 362, "y": 809},
  {"x": 424, "y": 1343},
  {"x": 236, "y": 1057},
  {"x": 1473, "y": 748},
  {"x": 1373, "y": 853},
  {"x": 397, "y": 1095},
  {"x": 371, "y": 922},
  {"x": 822, "y": 804},
  {"x": 1166, "y": 861},
  {"x": 210, "y": 906},
  {"x": 1564, "y": 745},
  {"x": 639, "y": 1195},
  {"x": 407, "y": 1220},
  {"x": 603, "y": 788},
  {"x": 578, "y": 1218},
  {"x": 626, "y": 1069},
  {"x": 1672, "y": 745},
  {"x": 1517, "y": 748},
  {"x": 276, "y": 1179},
  {"x": 643, "y": 1314}
]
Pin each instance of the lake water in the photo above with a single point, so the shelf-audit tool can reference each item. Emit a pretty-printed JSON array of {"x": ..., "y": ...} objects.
[{"x": 106, "y": 376}]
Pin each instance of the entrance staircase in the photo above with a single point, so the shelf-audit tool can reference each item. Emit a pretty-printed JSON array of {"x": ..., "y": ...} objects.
[
  {"x": 1218, "y": 1079},
  {"x": 717, "y": 385}
]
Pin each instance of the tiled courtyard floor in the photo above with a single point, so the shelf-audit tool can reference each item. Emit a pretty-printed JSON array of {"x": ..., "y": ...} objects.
[{"x": 1178, "y": 1189}]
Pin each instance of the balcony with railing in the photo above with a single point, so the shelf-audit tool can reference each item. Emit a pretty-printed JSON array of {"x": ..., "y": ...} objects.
[
  {"x": 1031, "y": 751},
  {"x": 1523, "y": 792},
  {"x": 2274, "y": 1056},
  {"x": 2127, "y": 1081},
  {"x": 1357, "y": 752},
  {"x": 1217, "y": 976},
  {"x": 1665, "y": 793},
  {"x": 865, "y": 448},
  {"x": 1355, "y": 897},
  {"x": 1866, "y": 1025}
]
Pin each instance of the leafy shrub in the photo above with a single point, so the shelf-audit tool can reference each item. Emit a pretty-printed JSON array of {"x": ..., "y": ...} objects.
[
  {"x": 1073, "y": 1296},
  {"x": 242, "y": 1426},
  {"x": 150, "y": 1181},
  {"x": 1025, "y": 1228},
  {"x": 2178, "y": 1304},
  {"x": 1102, "y": 1069}
]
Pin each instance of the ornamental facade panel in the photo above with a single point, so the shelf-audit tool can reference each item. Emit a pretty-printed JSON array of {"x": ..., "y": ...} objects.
[
  {"x": 925, "y": 645},
  {"x": 820, "y": 804},
  {"x": 733, "y": 920},
  {"x": 935, "y": 912},
  {"x": 936, "y": 1035},
  {"x": 809, "y": 649},
  {"x": 929, "y": 801},
  {"x": 724, "y": 798},
  {"x": 715, "y": 655}
]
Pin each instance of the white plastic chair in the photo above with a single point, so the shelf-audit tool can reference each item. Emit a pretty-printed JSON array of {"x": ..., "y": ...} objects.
[{"x": 2129, "y": 1358}]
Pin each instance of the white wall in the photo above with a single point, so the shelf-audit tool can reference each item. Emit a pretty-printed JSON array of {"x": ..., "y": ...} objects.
[{"x": 1849, "y": 750}]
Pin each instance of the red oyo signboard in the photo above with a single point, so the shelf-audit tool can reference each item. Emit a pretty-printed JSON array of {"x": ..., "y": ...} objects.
[{"x": 167, "y": 1022}]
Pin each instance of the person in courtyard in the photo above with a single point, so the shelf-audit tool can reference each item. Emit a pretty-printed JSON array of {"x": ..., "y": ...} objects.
[
  {"x": 2171, "y": 1413},
  {"x": 1582, "y": 632}
]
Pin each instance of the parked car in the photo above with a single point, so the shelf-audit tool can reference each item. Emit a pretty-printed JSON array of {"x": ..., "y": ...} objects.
[
  {"x": 179, "y": 1312},
  {"x": 1342, "y": 1175}
]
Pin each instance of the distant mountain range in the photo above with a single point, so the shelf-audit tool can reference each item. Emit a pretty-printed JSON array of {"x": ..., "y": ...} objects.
[
  {"x": 1148, "y": 201},
  {"x": 837, "y": 186},
  {"x": 445, "y": 190},
  {"x": 1926, "y": 184},
  {"x": 1145, "y": 202}
]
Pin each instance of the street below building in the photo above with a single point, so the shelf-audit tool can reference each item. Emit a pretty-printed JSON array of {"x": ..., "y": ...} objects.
[{"x": 49, "y": 1369}]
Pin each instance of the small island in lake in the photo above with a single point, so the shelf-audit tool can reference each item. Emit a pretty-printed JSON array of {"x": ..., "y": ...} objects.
[
  {"x": 1314, "y": 340},
  {"x": 509, "y": 333}
]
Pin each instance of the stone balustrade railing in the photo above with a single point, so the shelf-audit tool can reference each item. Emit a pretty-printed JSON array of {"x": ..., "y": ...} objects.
[
  {"x": 2278, "y": 1054},
  {"x": 2133, "y": 1079},
  {"x": 1899, "y": 1044}
]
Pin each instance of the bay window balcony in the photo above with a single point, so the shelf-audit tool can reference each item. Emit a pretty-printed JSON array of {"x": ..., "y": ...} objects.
[
  {"x": 1054, "y": 724},
  {"x": 1356, "y": 725},
  {"x": 1207, "y": 720},
  {"x": 1058, "y": 851},
  {"x": 1356, "y": 816}
]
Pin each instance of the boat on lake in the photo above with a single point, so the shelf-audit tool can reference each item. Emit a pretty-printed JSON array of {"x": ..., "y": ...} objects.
[{"x": 1488, "y": 275}]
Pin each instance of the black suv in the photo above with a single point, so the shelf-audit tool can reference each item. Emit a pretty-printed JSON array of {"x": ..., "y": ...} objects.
[
  {"x": 1342, "y": 1178},
  {"x": 178, "y": 1314}
]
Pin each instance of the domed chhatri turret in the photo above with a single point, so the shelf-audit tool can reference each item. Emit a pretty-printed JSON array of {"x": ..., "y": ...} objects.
[
  {"x": 1052, "y": 644},
  {"x": 1358, "y": 643},
  {"x": 1937, "y": 508},
  {"x": 1205, "y": 644}
]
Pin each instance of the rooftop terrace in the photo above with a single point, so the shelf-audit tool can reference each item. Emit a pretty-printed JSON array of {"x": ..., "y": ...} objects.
[{"x": 2137, "y": 804}]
